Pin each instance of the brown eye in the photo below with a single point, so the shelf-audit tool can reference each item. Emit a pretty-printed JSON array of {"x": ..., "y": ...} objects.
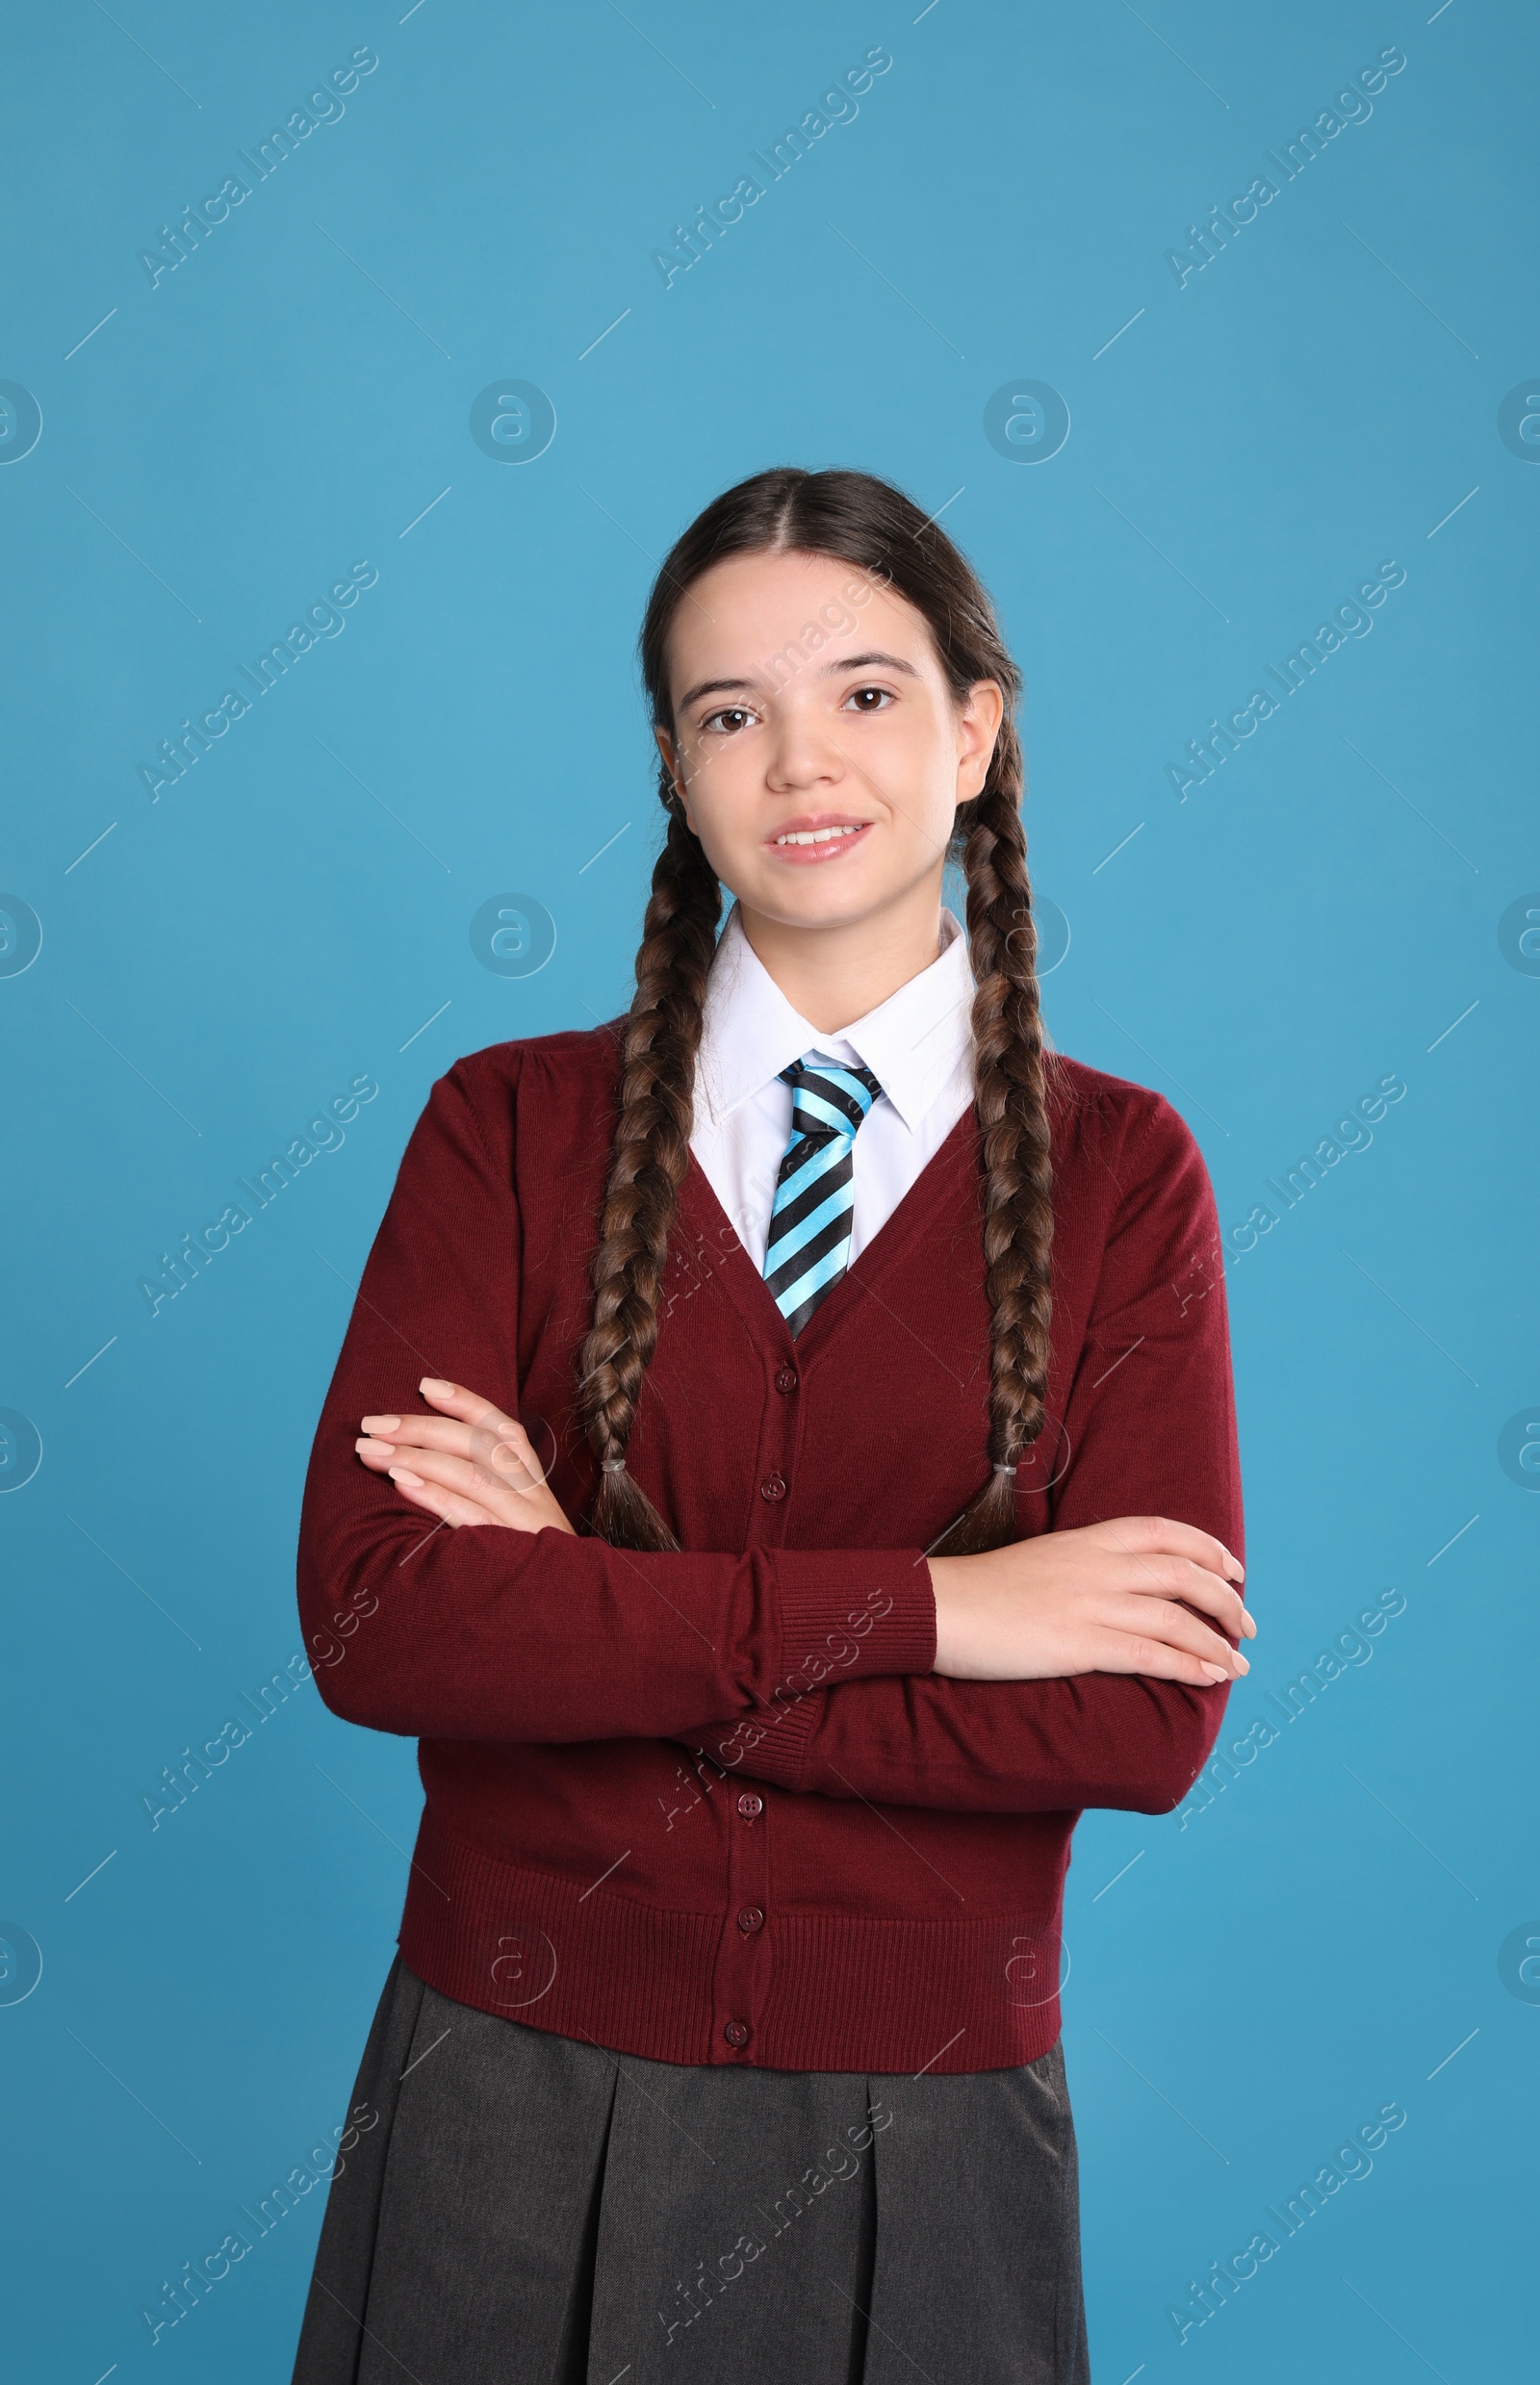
[
  {"x": 733, "y": 713},
  {"x": 884, "y": 694}
]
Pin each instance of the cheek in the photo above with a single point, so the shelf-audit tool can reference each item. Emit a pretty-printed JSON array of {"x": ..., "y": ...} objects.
[
  {"x": 726, "y": 793},
  {"x": 913, "y": 773}
]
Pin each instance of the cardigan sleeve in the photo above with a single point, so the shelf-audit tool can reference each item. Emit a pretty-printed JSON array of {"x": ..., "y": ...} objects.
[
  {"x": 487, "y": 1633},
  {"x": 1152, "y": 1430}
]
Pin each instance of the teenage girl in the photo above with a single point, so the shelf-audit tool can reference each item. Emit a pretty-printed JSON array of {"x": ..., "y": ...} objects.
[{"x": 781, "y": 1467}]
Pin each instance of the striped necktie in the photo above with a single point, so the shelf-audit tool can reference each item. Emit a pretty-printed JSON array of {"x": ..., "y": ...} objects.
[{"x": 809, "y": 1223}]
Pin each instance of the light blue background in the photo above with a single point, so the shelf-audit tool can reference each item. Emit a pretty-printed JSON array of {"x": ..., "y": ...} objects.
[{"x": 224, "y": 959}]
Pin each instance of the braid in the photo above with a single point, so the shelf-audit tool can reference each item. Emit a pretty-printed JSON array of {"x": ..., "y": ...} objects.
[
  {"x": 658, "y": 1044},
  {"x": 1010, "y": 1081}
]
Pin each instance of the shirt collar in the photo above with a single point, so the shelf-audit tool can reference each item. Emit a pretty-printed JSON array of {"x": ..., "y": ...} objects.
[{"x": 913, "y": 1043}]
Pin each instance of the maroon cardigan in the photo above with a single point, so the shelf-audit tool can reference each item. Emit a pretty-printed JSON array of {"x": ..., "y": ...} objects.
[{"x": 716, "y": 1806}]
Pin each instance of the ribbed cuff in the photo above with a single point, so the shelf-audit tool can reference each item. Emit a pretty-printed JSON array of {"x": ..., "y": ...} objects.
[
  {"x": 847, "y": 1614},
  {"x": 768, "y": 1743}
]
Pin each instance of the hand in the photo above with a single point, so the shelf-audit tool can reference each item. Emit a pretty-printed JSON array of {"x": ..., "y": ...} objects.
[
  {"x": 1107, "y": 1598},
  {"x": 470, "y": 1464}
]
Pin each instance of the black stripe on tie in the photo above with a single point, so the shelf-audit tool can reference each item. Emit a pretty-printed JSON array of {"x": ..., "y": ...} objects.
[
  {"x": 827, "y": 1090},
  {"x": 826, "y": 1238},
  {"x": 821, "y": 1189},
  {"x": 816, "y": 1300}
]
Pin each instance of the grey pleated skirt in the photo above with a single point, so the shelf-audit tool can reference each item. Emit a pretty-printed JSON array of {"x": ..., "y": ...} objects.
[{"x": 511, "y": 2207}]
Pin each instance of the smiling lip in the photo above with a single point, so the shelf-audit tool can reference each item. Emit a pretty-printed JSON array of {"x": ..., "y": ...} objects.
[{"x": 816, "y": 836}]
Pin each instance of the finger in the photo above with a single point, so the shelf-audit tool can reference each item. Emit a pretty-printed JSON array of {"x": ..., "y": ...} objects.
[
  {"x": 457, "y": 1509},
  {"x": 508, "y": 1450},
  {"x": 497, "y": 1441},
  {"x": 467, "y": 1406},
  {"x": 442, "y": 1432},
  {"x": 450, "y": 1473},
  {"x": 447, "y": 1505},
  {"x": 506, "y": 1500},
  {"x": 1176, "y": 1623},
  {"x": 1174, "y": 1626},
  {"x": 1129, "y": 1651},
  {"x": 432, "y": 1432},
  {"x": 1182, "y": 1577},
  {"x": 1160, "y": 1535}
]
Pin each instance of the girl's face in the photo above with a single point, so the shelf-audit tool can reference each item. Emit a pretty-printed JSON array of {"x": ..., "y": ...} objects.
[{"x": 817, "y": 750}]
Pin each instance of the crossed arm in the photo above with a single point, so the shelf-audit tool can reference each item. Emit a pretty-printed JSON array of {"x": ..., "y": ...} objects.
[
  {"x": 1085, "y": 1665},
  {"x": 1135, "y": 1602}
]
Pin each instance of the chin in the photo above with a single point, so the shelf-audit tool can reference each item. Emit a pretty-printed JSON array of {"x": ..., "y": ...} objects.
[{"x": 813, "y": 901}]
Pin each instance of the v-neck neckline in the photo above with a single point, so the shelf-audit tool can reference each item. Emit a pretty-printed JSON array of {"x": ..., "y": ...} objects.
[{"x": 751, "y": 1294}]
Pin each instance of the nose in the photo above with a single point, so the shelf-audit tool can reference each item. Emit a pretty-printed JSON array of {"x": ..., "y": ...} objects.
[{"x": 802, "y": 752}]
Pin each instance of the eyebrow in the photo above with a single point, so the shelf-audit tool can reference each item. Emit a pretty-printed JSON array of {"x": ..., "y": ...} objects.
[{"x": 844, "y": 662}]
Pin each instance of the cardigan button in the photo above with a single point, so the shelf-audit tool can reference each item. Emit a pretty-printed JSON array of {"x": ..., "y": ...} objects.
[
  {"x": 751, "y": 1918},
  {"x": 736, "y": 2032},
  {"x": 773, "y": 1487},
  {"x": 787, "y": 1379},
  {"x": 749, "y": 1803}
]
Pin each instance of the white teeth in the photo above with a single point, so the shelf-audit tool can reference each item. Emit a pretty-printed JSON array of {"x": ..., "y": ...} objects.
[{"x": 819, "y": 835}]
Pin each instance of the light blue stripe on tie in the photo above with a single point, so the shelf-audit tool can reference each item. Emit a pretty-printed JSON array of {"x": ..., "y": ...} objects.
[
  {"x": 826, "y": 1271},
  {"x": 835, "y": 1072},
  {"x": 818, "y": 1163},
  {"x": 806, "y": 1103},
  {"x": 788, "y": 1246}
]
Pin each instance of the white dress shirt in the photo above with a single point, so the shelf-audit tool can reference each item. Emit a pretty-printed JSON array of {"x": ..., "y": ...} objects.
[{"x": 918, "y": 1044}]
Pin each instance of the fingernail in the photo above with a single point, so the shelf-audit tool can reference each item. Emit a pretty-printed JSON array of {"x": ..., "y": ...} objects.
[
  {"x": 381, "y": 1423},
  {"x": 399, "y": 1474},
  {"x": 434, "y": 1387},
  {"x": 1214, "y": 1672},
  {"x": 1242, "y": 1663},
  {"x": 1249, "y": 1624},
  {"x": 374, "y": 1449}
]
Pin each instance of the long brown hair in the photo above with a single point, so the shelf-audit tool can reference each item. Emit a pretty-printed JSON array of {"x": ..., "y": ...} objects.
[{"x": 867, "y": 522}]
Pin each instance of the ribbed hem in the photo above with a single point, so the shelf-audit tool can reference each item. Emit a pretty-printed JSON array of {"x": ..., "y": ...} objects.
[{"x": 834, "y": 1991}]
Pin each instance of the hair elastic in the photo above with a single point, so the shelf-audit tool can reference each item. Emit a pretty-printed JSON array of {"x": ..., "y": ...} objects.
[
  {"x": 1005, "y": 1466},
  {"x": 612, "y": 1464}
]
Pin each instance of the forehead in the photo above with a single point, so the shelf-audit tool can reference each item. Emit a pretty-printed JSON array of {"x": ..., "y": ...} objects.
[{"x": 738, "y": 617}]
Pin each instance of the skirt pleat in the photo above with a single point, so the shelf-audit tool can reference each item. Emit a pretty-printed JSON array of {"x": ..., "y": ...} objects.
[{"x": 513, "y": 2207}]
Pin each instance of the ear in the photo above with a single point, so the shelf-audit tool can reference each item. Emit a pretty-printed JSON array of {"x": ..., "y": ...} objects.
[
  {"x": 671, "y": 763},
  {"x": 978, "y": 725}
]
